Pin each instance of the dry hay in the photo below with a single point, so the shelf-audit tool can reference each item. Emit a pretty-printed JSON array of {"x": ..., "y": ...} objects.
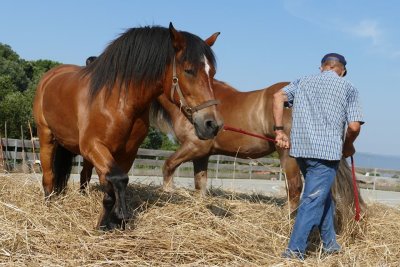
[{"x": 178, "y": 229}]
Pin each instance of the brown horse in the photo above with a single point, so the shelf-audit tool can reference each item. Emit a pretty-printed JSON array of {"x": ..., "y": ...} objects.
[
  {"x": 101, "y": 111},
  {"x": 251, "y": 111},
  {"x": 246, "y": 110}
]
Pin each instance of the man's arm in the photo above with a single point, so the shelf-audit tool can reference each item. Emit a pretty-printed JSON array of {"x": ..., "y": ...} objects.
[
  {"x": 353, "y": 130},
  {"x": 279, "y": 99}
]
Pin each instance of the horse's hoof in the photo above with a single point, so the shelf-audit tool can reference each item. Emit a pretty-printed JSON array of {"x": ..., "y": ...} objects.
[
  {"x": 200, "y": 193},
  {"x": 168, "y": 189},
  {"x": 293, "y": 207},
  {"x": 83, "y": 191},
  {"x": 48, "y": 197},
  {"x": 112, "y": 224}
]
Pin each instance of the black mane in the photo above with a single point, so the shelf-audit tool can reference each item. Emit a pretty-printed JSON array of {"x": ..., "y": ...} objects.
[{"x": 140, "y": 56}]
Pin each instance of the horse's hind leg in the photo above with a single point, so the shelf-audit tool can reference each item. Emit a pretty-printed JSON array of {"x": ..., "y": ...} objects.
[
  {"x": 47, "y": 150},
  {"x": 293, "y": 178},
  {"x": 86, "y": 175},
  {"x": 200, "y": 174}
]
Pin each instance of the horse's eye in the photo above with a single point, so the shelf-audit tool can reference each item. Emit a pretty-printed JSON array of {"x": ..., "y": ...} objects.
[{"x": 189, "y": 71}]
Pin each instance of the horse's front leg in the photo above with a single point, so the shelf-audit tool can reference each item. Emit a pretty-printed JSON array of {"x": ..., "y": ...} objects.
[
  {"x": 86, "y": 175},
  {"x": 200, "y": 174},
  {"x": 293, "y": 178},
  {"x": 113, "y": 181},
  {"x": 187, "y": 151}
]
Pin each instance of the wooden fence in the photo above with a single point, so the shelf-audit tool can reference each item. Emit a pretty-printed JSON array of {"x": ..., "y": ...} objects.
[{"x": 23, "y": 155}]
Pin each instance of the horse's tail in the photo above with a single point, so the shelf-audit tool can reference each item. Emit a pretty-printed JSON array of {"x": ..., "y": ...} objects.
[
  {"x": 160, "y": 119},
  {"x": 62, "y": 165},
  {"x": 343, "y": 194}
]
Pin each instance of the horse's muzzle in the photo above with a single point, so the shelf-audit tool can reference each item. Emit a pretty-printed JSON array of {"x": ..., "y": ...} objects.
[{"x": 206, "y": 127}]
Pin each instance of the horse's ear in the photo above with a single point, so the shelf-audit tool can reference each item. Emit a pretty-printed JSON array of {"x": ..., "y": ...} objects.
[
  {"x": 176, "y": 38},
  {"x": 211, "y": 40}
]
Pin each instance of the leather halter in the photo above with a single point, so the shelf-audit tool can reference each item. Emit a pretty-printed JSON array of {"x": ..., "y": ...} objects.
[{"x": 186, "y": 109}]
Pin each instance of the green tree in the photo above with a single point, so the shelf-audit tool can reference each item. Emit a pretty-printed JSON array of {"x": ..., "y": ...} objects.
[
  {"x": 158, "y": 140},
  {"x": 169, "y": 144},
  {"x": 7, "y": 53},
  {"x": 11, "y": 65},
  {"x": 18, "y": 81},
  {"x": 6, "y": 86},
  {"x": 16, "y": 111},
  {"x": 153, "y": 139}
]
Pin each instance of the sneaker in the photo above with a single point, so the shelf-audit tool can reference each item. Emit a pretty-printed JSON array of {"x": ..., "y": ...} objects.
[
  {"x": 333, "y": 249},
  {"x": 330, "y": 251},
  {"x": 296, "y": 255}
]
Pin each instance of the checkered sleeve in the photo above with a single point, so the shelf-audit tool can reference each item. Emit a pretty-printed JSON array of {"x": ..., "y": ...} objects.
[
  {"x": 353, "y": 110},
  {"x": 290, "y": 91}
]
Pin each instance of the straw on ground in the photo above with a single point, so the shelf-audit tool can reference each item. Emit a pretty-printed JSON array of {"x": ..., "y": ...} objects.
[{"x": 175, "y": 229}]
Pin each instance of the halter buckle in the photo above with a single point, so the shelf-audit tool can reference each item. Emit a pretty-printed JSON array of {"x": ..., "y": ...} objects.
[{"x": 175, "y": 80}]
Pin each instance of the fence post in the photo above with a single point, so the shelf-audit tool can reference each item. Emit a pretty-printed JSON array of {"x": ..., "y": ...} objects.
[
  {"x": 6, "y": 157},
  {"x": 24, "y": 166},
  {"x": 2, "y": 166},
  {"x": 79, "y": 164},
  {"x": 33, "y": 143},
  {"x": 216, "y": 171},
  {"x": 250, "y": 168},
  {"x": 132, "y": 168},
  {"x": 15, "y": 152}
]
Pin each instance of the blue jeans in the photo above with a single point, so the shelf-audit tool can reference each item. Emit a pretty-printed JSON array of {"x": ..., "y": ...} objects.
[{"x": 316, "y": 206}]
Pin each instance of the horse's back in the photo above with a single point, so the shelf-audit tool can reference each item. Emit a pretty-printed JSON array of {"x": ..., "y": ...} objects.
[
  {"x": 51, "y": 78},
  {"x": 250, "y": 111},
  {"x": 253, "y": 106},
  {"x": 56, "y": 102}
]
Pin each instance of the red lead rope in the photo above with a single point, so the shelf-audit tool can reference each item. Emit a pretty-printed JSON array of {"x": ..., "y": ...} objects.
[
  {"x": 353, "y": 171},
  {"x": 356, "y": 200},
  {"x": 229, "y": 128}
]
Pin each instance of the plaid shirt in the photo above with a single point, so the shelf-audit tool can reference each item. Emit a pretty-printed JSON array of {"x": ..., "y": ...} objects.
[{"x": 322, "y": 106}]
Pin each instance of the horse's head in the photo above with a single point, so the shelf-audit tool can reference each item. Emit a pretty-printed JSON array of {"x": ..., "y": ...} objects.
[{"x": 189, "y": 81}]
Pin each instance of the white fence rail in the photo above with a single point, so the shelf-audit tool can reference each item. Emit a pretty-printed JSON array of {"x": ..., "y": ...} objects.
[{"x": 17, "y": 154}]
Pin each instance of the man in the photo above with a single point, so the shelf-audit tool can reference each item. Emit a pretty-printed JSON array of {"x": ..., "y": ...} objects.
[{"x": 323, "y": 104}]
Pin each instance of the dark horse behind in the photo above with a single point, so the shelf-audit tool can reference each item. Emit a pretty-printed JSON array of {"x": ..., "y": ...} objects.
[
  {"x": 101, "y": 111},
  {"x": 250, "y": 111}
]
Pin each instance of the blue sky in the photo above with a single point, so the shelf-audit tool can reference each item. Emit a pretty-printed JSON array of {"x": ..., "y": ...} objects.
[{"x": 261, "y": 42}]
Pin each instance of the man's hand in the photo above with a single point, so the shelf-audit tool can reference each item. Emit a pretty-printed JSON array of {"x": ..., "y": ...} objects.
[
  {"x": 282, "y": 139},
  {"x": 353, "y": 129},
  {"x": 348, "y": 150}
]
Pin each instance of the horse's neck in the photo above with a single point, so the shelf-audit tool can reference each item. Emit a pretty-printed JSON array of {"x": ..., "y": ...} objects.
[
  {"x": 138, "y": 99},
  {"x": 221, "y": 88},
  {"x": 164, "y": 115},
  {"x": 256, "y": 104},
  {"x": 168, "y": 106}
]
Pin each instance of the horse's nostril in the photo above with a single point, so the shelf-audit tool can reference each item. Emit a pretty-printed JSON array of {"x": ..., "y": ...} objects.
[{"x": 212, "y": 126}]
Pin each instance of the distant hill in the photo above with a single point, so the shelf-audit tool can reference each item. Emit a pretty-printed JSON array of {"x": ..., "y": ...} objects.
[{"x": 369, "y": 160}]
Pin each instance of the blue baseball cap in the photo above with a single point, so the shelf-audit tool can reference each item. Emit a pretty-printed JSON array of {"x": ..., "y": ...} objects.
[{"x": 337, "y": 57}]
